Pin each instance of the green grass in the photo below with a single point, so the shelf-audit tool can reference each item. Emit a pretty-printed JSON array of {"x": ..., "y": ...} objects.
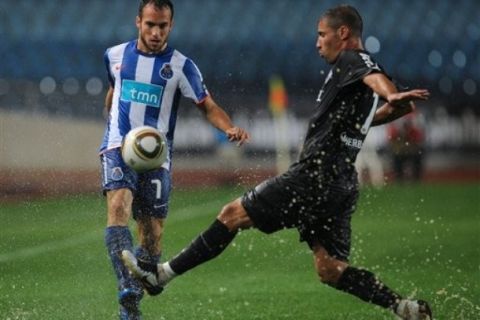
[{"x": 422, "y": 240}]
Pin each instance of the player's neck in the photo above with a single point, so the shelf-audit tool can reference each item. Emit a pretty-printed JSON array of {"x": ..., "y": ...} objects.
[{"x": 353, "y": 43}]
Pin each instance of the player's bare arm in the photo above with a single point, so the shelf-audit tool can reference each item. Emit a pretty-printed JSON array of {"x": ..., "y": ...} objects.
[
  {"x": 220, "y": 119},
  {"x": 108, "y": 102},
  {"x": 388, "y": 113},
  {"x": 398, "y": 103}
]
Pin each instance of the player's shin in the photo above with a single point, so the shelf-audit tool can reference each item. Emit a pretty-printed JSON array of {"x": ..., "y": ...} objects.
[
  {"x": 205, "y": 247},
  {"x": 364, "y": 285},
  {"x": 118, "y": 238}
]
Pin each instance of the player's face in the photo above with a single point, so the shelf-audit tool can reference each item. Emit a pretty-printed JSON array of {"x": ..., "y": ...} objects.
[
  {"x": 154, "y": 26},
  {"x": 329, "y": 43}
]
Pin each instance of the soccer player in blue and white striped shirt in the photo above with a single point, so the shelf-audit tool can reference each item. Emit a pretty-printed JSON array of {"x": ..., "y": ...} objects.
[{"x": 147, "y": 78}]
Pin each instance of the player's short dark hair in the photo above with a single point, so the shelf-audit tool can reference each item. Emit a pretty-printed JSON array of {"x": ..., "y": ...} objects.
[
  {"x": 157, "y": 3},
  {"x": 345, "y": 15}
]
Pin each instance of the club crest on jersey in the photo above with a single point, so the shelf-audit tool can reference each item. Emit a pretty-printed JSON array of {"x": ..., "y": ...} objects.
[{"x": 166, "y": 71}]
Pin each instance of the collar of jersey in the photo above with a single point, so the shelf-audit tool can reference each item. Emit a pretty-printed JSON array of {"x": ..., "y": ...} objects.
[{"x": 167, "y": 50}]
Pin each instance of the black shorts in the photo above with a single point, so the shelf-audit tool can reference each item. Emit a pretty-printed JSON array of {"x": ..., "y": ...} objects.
[{"x": 320, "y": 214}]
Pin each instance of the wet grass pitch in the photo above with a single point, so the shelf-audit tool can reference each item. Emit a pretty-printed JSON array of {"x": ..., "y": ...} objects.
[{"x": 422, "y": 240}]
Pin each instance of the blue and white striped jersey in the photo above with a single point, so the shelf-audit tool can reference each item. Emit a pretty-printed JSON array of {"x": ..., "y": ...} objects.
[{"x": 147, "y": 89}]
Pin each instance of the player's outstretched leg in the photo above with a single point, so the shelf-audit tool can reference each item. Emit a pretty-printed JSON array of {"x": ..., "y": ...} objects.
[
  {"x": 205, "y": 247},
  {"x": 366, "y": 286}
]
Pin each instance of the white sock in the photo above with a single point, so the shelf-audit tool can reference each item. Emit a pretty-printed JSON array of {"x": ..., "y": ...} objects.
[{"x": 168, "y": 271}]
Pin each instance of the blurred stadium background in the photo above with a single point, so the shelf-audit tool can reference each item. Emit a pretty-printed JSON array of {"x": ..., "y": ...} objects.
[{"x": 53, "y": 82}]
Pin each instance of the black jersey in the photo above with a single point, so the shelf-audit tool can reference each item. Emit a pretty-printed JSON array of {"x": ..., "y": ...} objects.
[{"x": 343, "y": 114}]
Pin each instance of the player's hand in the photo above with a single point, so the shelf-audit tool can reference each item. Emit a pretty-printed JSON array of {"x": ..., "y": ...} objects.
[
  {"x": 237, "y": 134},
  {"x": 404, "y": 98}
]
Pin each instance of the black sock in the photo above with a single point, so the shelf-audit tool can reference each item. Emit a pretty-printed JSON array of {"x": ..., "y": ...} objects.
[
  {"x": 205, "y": 247},
  {"x": 366, "y": 286}
]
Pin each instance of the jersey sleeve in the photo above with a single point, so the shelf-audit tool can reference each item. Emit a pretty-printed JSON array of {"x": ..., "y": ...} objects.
[
  {"x": 109, "y": 71},
  {"x": 191, "y": 83},
  {"x": 353, "y": 65}
]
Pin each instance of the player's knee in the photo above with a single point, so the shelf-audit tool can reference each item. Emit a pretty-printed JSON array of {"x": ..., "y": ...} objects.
[
  {"x": 329, "y": 273},
  {"x": 233, "y": 215},
  {"x": 227, "y": 214},
  {"x": 118, "y": 212},
  {"x": 329, "y": 269},
  {"x": 119, "y": 204}
]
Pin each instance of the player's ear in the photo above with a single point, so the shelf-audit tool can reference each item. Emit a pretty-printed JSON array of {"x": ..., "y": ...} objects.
[
  {"x": 138, "y": 22},
  {"x": 343, "y": 32}
]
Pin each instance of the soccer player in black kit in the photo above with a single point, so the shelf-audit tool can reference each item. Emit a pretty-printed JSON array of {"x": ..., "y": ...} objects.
[{"x": 318, "y": 193}]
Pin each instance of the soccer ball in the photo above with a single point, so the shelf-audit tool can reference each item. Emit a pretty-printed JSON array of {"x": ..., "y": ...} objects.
[{"x": 144, "y": 148}]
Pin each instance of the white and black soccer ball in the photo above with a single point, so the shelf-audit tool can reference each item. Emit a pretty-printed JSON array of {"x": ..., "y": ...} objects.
[{"x": 144, "y": 148}]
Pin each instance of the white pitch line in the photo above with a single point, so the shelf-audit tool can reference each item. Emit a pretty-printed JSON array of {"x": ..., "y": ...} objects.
[
  {"x": 49, "y": 246},
  {"x": 178, "y": 215}
]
